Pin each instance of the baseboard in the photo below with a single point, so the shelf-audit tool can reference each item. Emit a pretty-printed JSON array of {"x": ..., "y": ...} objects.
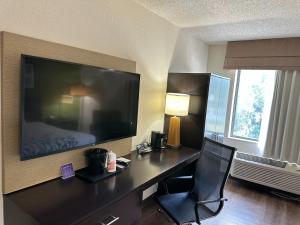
[{"x": 269, "y": 190}]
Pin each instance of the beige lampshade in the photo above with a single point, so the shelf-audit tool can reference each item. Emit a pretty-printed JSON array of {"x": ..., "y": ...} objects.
[{"x": 177, "y": 104}]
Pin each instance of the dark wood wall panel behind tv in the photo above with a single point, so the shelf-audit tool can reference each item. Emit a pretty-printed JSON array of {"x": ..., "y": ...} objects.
[{"x": 197, "y": 86}]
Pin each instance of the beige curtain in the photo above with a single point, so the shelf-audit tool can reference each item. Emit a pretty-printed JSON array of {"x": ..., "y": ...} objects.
[{"x": 283, "y": 137}]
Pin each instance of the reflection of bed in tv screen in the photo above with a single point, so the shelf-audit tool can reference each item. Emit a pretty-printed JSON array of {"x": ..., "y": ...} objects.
[{"x": 66, "y": 106}]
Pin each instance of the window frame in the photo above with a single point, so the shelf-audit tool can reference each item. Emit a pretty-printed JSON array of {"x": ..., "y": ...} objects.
[{"x": 235, "y": 96}]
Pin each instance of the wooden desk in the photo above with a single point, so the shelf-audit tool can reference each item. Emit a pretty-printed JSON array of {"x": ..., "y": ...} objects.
[{"x": 74, "y": 201}]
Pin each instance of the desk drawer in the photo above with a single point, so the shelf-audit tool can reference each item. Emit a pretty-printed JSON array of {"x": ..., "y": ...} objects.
[{"x": 125, "y": 212}]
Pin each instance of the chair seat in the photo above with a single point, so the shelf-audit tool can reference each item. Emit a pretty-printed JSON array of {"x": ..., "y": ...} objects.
[{"x": 180, "y": 207}]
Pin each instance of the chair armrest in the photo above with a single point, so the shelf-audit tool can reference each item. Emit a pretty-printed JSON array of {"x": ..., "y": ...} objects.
[
  {"x": 178, "y": 184},
  {"x": 211, "y": 201}
]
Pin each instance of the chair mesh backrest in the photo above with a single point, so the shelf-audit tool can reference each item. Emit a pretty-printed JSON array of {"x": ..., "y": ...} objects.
[{"x": 212, "y": 170}]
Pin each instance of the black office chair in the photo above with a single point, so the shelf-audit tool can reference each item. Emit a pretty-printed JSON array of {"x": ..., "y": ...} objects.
[{"x": 205, "y": 199}]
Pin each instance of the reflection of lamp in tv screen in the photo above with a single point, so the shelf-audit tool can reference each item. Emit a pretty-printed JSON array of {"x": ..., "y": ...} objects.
[
  {"x": 85, "y": 113},
  {"x": 80, "y": 90},
  {"x": 67, "y": 99}
]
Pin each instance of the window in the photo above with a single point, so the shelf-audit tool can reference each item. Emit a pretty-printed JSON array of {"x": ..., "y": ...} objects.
[{"x": 252, "y": 102}]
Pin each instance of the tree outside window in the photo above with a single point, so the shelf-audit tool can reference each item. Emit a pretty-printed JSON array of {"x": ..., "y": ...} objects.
[{"x": 252, "y": 101}]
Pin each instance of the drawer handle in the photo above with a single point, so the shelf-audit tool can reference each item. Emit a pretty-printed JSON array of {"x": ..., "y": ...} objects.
[{"x": 109, "y": 220}]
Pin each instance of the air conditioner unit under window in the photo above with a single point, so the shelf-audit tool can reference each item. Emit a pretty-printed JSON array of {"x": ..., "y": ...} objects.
[{"x": 272, "y": 173}]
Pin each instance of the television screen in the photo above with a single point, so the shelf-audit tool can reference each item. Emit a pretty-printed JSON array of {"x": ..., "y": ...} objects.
[{"x": 66, "y": 106}]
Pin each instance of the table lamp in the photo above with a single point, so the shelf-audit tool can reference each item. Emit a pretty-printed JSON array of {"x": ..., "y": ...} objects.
[{"x": 176, "y": 105}]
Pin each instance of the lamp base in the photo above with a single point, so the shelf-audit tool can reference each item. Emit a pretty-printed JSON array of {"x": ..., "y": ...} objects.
[{"x": 174, "y": 132}]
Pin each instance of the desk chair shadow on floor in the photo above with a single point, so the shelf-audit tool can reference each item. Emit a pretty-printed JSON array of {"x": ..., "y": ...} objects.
[{"x": 205, "y": 199}]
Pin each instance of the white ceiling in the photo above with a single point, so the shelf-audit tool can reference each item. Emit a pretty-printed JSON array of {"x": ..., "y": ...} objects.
[{"x": 225, "y": 20}]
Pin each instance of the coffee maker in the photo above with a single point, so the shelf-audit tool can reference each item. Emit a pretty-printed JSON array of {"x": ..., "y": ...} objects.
[
  {"x": 96, "y": 160},
  {"x": 158, "y": 140}
]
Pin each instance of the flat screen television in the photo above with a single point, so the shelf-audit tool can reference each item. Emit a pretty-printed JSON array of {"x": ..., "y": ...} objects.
[{"x": 66, "y": 106}]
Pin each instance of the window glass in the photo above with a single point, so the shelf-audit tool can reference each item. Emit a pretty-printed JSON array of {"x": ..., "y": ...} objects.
[{"x": 253, "y": 97}]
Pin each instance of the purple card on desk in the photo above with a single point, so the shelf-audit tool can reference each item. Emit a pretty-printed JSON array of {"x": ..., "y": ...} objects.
[{"x": 67, "y": 171}]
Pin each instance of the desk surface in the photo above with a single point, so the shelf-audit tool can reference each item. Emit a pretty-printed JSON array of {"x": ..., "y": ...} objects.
[{"x": 61, "y": 202}]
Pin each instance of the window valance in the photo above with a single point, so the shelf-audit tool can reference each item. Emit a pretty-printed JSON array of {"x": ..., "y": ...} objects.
[{"x": 280, "y": 53}]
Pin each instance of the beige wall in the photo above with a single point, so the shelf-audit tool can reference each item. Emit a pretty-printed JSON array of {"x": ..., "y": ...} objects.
[
  {"x": 215, "y": 62},
  {"x": 117, "y": 27},
  {"x": 190, "y": 54},
  {"x": 216, "y": 57}
]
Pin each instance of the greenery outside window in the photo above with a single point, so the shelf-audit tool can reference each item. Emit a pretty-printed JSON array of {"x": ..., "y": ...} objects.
[{"x": 252, "y": 102}]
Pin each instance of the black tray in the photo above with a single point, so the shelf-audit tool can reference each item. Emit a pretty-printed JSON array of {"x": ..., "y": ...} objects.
[{"x": 83, "y": 174}]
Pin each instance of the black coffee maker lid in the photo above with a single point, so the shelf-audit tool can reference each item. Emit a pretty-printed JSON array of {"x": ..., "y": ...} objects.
[{"x": 96, "y": 151}]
